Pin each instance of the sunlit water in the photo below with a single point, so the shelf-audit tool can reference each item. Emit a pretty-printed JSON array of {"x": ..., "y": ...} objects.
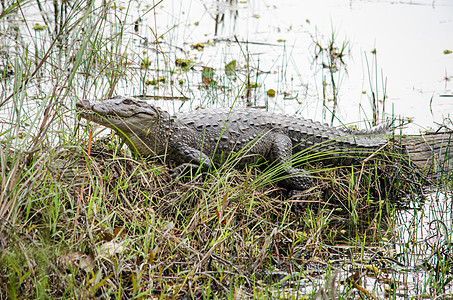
[
  {"x": 409, "y": 37},
  {"x": 279, "y": 40}
]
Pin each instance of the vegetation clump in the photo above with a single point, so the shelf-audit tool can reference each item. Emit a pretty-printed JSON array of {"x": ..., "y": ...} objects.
[{"x": 96, "y": 222}]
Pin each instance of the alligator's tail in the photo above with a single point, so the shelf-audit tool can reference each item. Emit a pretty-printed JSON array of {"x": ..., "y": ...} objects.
[
  {"x": 384, "y": 128},
  {"x": 431, "y": 152},
  {"x": 372, "y": 138}
]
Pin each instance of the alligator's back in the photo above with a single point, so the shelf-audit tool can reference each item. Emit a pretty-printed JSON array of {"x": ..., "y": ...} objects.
[{"x": 238, "y": 125}]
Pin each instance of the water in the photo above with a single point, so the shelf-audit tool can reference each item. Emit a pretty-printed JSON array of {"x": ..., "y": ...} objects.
[
  {"x": 409, "y": 38},
  {"x": 278, "y": 40}
]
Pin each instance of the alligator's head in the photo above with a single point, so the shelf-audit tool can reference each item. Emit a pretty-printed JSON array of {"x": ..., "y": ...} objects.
[
  {"x": 139, "y": 123},
  {"x": 119, "y": 113}
]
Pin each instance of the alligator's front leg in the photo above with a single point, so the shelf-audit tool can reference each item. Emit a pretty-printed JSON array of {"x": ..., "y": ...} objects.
[
  {"x": 189, "y": 158},
  {"x": 298, "y": 179}
]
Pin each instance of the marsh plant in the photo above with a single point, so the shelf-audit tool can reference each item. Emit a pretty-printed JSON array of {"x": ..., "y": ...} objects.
[{"x": 330, "y": 60}]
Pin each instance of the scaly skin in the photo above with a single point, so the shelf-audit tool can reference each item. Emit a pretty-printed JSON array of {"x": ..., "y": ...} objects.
[{"x": 209, "y": 136}]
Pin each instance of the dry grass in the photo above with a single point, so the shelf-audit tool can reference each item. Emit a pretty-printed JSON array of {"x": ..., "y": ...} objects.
[{"x": 105, "y": 224}]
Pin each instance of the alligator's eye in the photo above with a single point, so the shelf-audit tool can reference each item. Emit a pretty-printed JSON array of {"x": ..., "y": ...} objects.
[
  {"x": 155, "y": 111},
  {"x": 127, "y": 101}
]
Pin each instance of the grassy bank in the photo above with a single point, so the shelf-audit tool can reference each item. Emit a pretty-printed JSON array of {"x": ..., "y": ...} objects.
[{"x": 90, "y": 220}]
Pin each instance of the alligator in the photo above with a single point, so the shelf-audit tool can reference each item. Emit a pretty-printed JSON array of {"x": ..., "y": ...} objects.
[{"x": 205, "y": 137}]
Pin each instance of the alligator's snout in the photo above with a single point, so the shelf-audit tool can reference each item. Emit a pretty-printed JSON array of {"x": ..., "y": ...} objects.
[
  {"x": 83, "y": 104},
  {"x": 84, "y": 109}
]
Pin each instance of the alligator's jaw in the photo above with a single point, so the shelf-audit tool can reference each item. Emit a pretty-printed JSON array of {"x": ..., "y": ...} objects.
[
  {"x": 137, "y": 127},
  {"x": 86, "y": 111},
  {"x": 84, "y": 108}
]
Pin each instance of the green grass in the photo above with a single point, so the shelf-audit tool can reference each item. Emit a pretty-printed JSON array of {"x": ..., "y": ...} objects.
[
  {"x": 82, "y": 217},
  {"x": 204, "y": 235}
]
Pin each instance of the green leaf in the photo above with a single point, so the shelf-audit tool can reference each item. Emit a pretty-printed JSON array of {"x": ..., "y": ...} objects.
[
  {"x": 207, "y": 75},
  {"x": 230, "y": 68},
  {"x": 271, "y": 93},
  {"x": 39, "y": 27}
]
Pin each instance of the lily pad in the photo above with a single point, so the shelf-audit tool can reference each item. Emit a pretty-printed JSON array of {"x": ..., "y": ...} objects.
[
  {"x": 198, "y": 46},
  {"x": 271, "y": 93},
  {"x": 207, "y": 75},
  {"x": 39, "y": 27},
  {"x": 184, "y": 63},
  {"x": 230, "y": 68},
  {"x": 155, "y": 81}
]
